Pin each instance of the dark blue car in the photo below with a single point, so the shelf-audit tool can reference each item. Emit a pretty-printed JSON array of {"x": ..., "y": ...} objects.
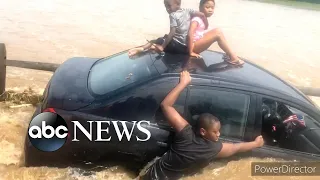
[{"x": 248, "y": 100}]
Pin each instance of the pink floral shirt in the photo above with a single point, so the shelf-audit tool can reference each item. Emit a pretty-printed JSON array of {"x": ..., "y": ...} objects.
[{"x": 200, "y": 30}]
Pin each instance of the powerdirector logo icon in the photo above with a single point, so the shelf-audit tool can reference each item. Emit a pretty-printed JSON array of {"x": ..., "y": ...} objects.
[
  {"x": 285, "y": 168},
  {"x": 48, "y": 131}
]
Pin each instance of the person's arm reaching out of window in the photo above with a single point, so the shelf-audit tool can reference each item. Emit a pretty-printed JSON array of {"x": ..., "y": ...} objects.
[
  {"x": 174, "y": 118},
  {"x": 229, "y": 149}
]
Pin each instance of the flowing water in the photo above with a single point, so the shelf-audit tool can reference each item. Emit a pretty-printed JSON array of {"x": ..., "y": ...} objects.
[{"x": 281, "y": 39}]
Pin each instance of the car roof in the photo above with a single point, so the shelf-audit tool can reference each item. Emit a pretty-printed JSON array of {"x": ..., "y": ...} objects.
[{"x": 212, "y": 65}]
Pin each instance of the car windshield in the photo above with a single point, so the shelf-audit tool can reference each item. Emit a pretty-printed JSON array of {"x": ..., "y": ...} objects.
[{"x": 118, "y": 71}]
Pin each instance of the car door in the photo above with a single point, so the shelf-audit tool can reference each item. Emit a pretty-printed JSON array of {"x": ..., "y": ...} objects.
[
  {"x": 235, "y": 110},
  {"x": 122, "y": 116},
  {"x": 142, "y": 105},
  {"x": 283, "y": 139},
  {"x": 92, "y": 147},
  {"x": 163, "y": 137}
]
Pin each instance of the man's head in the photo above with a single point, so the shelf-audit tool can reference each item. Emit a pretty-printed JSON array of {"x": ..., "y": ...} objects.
[
  {"x": 209, "y": 126},
  {"x": 172, "y": 5}
]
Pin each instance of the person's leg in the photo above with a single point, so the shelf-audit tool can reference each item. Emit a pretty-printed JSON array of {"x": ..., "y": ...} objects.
[
  {"x": 139, "y": 49},
  {"x": 147, "y": 46},
  {"x": 212, "y": 36},
  {"x": 149, "y": 169},
  {"x": 175, "y": 47}
]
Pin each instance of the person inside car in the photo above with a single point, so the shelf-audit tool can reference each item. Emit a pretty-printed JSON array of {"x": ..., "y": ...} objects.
[{"x": 193, "y": 147}]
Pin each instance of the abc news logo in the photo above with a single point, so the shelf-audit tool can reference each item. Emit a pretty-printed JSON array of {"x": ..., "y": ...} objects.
[{"x": 48, "y": 131}]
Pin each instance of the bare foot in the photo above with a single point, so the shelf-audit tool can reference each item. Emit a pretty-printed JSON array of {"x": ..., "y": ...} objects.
[
  {"x": 234, "y": 61},
  {"x": 134, "y": 51}
]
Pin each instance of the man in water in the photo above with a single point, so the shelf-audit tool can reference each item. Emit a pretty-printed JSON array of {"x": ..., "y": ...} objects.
[{"x": 192, "y": 150}]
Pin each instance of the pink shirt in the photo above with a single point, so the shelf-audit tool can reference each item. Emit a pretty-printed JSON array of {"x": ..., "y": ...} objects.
[{"x": 200, "y": 30}]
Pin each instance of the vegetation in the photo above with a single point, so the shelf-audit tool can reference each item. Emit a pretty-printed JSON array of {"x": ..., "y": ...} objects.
[{"x": 29, "y": 96}]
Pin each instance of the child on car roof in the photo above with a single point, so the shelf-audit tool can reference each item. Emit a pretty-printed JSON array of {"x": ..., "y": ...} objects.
[
  {"x": 176, "y": 40},
  {"x": 201, "y": 39}
]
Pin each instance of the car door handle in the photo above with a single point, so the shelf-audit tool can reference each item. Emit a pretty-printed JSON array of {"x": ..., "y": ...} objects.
[{"x": 162, "y": 144}]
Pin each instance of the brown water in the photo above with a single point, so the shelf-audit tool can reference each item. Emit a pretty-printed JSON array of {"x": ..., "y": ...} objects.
[{"x": 283, "y": 40}]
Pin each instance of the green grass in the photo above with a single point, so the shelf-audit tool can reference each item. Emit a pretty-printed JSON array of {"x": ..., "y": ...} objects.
[{"x": 301, "y": 4}]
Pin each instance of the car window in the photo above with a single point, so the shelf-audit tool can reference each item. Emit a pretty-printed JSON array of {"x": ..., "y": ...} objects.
[
  {"x": 230, "y": 107},
  {"x": 112, "y": 73},
  {"x": 143, "y": 103},
  {"x": 179, "y": 106},
  {"x": 287, "y": 127}
]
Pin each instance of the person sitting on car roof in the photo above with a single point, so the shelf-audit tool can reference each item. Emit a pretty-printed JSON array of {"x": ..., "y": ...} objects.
[
  {"x": 200, "y": 38},
  {"x": 176, "y": 40},
  {"x": 192, "y": 148}
]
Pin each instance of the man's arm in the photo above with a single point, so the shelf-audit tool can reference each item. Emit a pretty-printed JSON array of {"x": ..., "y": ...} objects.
[
  {"x": 173, "y": 26},
  {"x": 169, "y": 37},
  {"x": 202, "y": 16},
  {"x": 174, "y": 118},
  {"x": 229, "y": 149},
  {"x": 198, "y": 13},
  {"x": 192, "y": 30}
]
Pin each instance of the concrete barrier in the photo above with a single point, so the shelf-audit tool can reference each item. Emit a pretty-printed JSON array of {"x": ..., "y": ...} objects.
[
  {"x": 32, "y": 65},
  {"x": 4, "y": 62},
  {"x": 3, "y": 57}
]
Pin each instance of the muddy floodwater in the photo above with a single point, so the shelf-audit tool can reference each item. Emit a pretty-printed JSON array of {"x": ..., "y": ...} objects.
[{"x": 284, "y": 40}]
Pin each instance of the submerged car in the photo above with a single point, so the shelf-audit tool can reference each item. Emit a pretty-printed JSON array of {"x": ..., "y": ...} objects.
[{"x": 247, "y": 99}]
